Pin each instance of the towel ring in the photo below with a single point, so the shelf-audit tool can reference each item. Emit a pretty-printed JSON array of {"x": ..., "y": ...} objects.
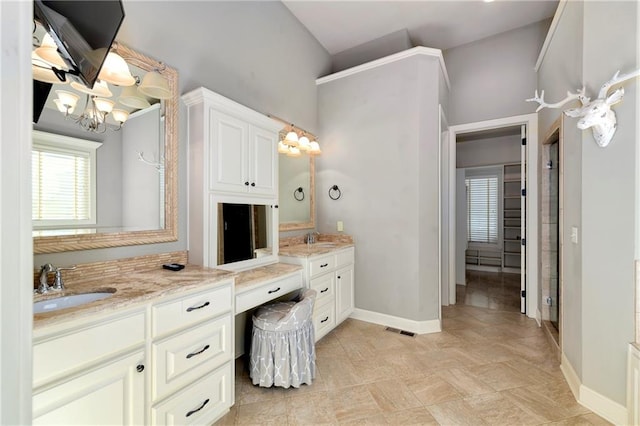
[
  {"x": 297, "y": 192},
  {"x": 334, "y": 189}
]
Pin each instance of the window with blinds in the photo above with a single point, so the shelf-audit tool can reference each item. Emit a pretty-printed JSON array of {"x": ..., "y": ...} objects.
[
  {"x": 482, "y": 209},
  {"x": 63, "y": 182}
]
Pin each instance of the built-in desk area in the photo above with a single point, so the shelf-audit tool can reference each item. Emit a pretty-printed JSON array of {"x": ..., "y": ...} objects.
[{"x": 257, "y": 286}]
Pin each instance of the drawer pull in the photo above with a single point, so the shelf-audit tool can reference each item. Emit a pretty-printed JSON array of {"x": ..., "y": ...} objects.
[
  {"x": 324, "y": 265},
  {"x": 325, "y": 290},
  {"x": 140, "y": 368},
  {"x": 193, "y": 308},
  {"x": 339, "y": 277},
  {"x": 274, "y": 291},
  {"x": 192, "y": 354},
  {"x": 324, "y": 320},
  {"x": 198, "y": 409}
]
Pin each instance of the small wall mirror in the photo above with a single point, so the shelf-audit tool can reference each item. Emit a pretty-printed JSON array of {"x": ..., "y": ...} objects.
[
  {"x": 136, "y": 166},
  {"x": 297, "y": 192}
]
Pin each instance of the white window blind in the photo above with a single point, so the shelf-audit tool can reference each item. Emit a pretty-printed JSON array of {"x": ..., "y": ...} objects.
[
  {"x": 482, "y": 209},
  {"x": 63, "y": 181}
]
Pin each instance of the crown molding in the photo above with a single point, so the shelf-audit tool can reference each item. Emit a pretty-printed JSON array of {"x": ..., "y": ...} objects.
[{"x": 419, "y": 50}]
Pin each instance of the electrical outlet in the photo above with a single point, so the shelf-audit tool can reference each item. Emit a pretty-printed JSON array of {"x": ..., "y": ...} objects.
[
  {"x": 340, "y": 226},
  {"x": 574, "y": 234},
  {"x": 549, "y": 301}
]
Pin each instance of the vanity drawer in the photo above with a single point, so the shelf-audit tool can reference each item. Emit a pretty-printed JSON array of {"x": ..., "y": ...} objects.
[
  {"x": 266, "y": 292},
  {"x": 345, "y": 257},
  {"x": 326, "y": 288},
  {"x": 183, "y": 358},
  {"x": 201, "y": 403},
  {"x": 82, "y": 346},
  {"x": 179, "y": 313},
  {"x": 324, "y": 319},
  {"x": 321, "y": 265}
]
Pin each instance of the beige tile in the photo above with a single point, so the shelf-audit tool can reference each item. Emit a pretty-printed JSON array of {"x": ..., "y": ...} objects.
[
  {"x": 413, "y": 416},
  {"x": 464, "y": 382},
  {"x": 455, "y": 413},
  {"x": 313, "y": 408},
  {"x": 496, "y": 409},
  {"x": 229, "y": 418},
  {"x": 337, "y": 372},
  {"x": 432, "y": 389},
  {"x": 274, "y": 412},
  {"x": 393, "y": 395},
  {"x": 250, "y": 394},
  {"x": 353, "y": 403}
]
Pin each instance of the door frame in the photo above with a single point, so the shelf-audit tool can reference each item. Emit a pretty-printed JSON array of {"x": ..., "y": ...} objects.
[{"x": 531, "y": 121}]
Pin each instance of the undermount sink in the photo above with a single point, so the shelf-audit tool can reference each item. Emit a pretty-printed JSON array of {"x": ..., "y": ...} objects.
[
  {"x": 324, "y": 245},
  {"x": 70, "y": 301}
]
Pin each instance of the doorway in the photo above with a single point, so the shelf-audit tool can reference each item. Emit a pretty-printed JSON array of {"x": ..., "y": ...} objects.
[{"x": 457, "y": 246}]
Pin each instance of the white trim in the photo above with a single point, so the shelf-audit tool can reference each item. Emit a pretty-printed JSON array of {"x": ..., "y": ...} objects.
[
  {"x": 633, "y": 384},
  {"x": 604, "y": 407},
  {"x": 531, "y": 120},
  {"x": 550, "y": 33},
  {"x": 539, "y": 317},
  {"x": 16, "y": 243},
  {"x": 570, "y": 376},
  {"x": 420, "y": 327},
  {"x": 419, "y": 50}
]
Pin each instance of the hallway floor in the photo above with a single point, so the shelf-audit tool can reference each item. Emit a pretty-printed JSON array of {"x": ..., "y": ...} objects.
[
  {"x": 487, "y": 367},
  {"x": 492, "y": 290}
]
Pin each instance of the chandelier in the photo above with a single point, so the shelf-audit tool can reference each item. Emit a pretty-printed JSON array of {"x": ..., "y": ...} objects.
[{"x": 135, "y": 93}]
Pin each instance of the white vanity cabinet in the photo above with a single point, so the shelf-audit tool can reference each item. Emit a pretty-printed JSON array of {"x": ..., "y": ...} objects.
[
  {"x": 91, "y": 372},
  {"x": 167, "y": 361},
  {"x": 191, "y": 357},
  {"x": 232, "y": 148},
  {"x": 331, "y": 275}
]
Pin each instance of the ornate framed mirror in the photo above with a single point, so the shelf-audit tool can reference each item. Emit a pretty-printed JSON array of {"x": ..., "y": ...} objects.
[{"x": 163, "y": 161}]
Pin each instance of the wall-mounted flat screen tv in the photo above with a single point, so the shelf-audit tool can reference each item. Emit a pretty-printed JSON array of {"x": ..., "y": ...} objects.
[{"x": 83, "y": 32}]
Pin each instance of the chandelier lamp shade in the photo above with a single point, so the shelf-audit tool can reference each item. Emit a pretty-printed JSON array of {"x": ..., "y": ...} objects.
[{"x": 294, "y": 141}]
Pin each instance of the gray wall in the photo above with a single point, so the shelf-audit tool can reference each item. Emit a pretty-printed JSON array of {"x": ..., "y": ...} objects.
[
  {"x": 594, "y": 39},
  {"x": 380, "y": 141},
  {"x": 372, "y": 50},
  {"x": 488, "y": 152},
  {"x": 490, "y": 78},
  {"x": 560, "y": 71},
  {"x": 242, "y": 50},
  {"x": 608, "y": 203}
]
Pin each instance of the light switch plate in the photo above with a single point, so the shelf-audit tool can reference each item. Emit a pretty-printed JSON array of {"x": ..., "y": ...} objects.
[
  {"x": 574, "y": 234},
  {"x": 340, "y": 226}
]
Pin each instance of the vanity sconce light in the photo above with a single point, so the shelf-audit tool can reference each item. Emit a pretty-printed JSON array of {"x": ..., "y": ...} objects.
[
  {"x": 334, "y": 192},
  {"x": 298, "y": 194}
]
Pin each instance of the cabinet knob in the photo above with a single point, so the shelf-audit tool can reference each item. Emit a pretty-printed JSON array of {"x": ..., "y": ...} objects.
[
  {"x": 253, "y": 184},
  {"x": 246, "y": 183},
  {"x": 339, "y": 277},
  {"x": 140, "y": 368}
]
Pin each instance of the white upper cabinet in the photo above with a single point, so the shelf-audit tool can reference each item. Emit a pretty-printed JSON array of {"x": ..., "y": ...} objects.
[{"x": 232, "y": 147}]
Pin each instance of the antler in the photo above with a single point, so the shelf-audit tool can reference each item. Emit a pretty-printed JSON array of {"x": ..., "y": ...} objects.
[
  {"x": 617, "y": 78},
  {"x": 570, "y": 97}
]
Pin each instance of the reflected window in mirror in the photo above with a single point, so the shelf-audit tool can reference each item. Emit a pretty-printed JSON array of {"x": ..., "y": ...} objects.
[
  {"x": 296, "y": 195},
  {"x": 136, "y": 166},
  {"x": 63, "y": 172}
]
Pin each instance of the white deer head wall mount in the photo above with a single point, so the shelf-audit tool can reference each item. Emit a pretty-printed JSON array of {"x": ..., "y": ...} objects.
[{"x": 596, "y": 114}]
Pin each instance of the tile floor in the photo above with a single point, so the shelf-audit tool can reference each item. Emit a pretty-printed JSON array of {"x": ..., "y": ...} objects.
[{"x": 489, "y": 366}]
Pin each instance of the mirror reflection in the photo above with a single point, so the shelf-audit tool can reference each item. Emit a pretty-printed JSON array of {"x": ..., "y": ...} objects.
[
  {"x": 135, "y": 163},
  {"x": 243, "y": 232},
  {"x": 296, "y": 192}
]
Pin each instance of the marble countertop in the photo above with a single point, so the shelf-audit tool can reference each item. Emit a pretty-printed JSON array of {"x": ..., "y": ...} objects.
[
  {"x": 308, "y": 250},
  {"x": 130, "y": 289},
  {"x": 252, "y": 278}
]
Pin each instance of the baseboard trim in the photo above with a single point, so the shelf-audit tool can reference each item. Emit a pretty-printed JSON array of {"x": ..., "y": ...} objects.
[
  {"x": 601, "y": 405},
  {"x": 539, "y": 317},
  {"x": 419, "y": 327}
]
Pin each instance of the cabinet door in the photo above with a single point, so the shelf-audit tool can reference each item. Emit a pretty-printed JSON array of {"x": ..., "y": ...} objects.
[
  {"x": 344, "y": 293},
  {"x": 228, "y": 153},
  {"x": 110, "y": 394},
  {"x": 263, "y": 172}
]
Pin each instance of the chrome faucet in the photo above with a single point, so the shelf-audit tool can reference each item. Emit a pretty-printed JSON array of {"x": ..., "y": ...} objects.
[
  {"x": 310, "y": 238},
  {"x": 45, "y": 270},
  {"x": 58, "y": 284}
]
